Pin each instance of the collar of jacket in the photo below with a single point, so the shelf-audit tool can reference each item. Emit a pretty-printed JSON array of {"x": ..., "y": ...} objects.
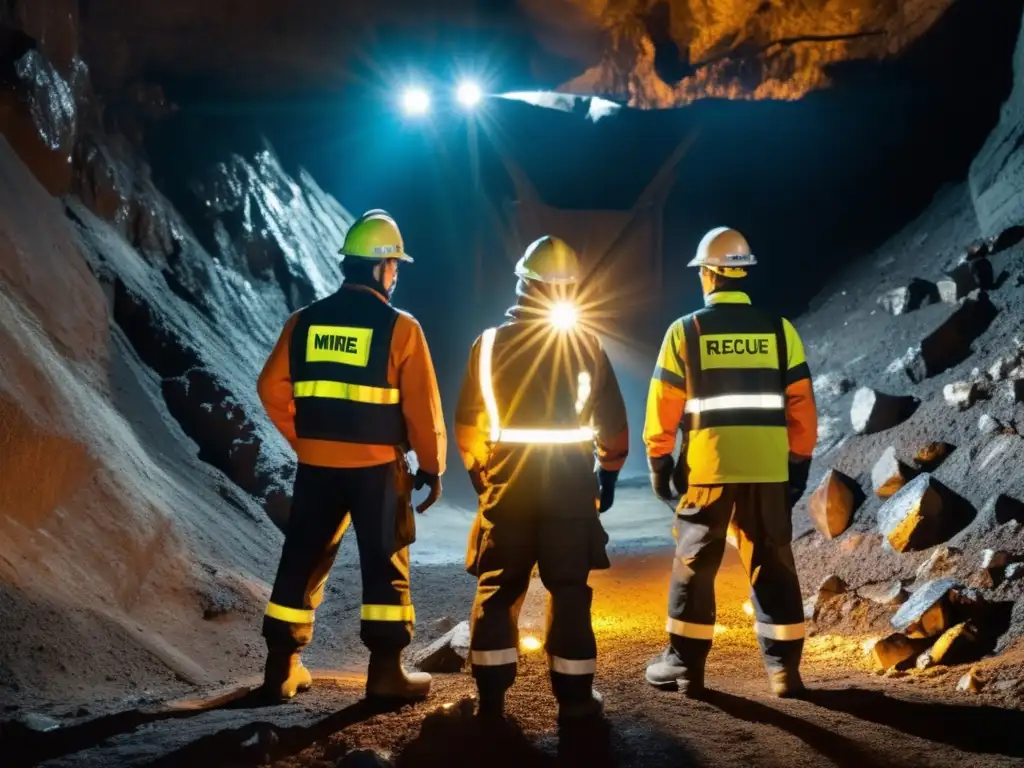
[
  {"x": 726, "y": 297},
  {"x": 526, "y": 308},
  {"x": 375, "y": 288}
]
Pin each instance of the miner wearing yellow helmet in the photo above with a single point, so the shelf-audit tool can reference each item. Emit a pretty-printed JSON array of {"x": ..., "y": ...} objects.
[
  {"x": 737, "y": 381},
  {"x": 539, "y": 402},
  {"x": 352, "y": 387}
]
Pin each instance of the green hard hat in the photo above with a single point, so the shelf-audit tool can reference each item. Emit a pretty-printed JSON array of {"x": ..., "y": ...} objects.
[{"x": 374, "y": 235}]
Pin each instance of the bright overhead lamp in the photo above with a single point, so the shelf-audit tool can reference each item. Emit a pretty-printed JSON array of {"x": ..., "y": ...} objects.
[
  {"x": 469, "y": 94},
  {"x": 415, "y": 101}
]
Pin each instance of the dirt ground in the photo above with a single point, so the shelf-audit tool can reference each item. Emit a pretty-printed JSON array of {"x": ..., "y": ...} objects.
[{"x": 852, "y": 717}]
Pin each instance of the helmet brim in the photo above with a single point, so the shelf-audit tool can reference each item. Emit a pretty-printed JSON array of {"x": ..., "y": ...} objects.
[
  {"x": 399, "y": 256},
  {"x": 749, "y": 262}
]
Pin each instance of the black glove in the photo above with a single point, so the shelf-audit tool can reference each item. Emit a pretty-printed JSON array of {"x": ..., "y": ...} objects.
[
  {"x": 661, "y": 476},
  {"x": 431, "y": 481},
  {"x": 798, "y": 474},
  {"x": 606, "y": 479}
]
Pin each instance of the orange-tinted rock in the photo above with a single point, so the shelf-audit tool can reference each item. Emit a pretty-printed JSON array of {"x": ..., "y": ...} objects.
[{"x": 832, "y": 504}]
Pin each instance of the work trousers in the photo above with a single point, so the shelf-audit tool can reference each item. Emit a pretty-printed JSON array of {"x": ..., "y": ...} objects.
[
  {"x": 325, "y": 501},
  {"x": 759, "y": 516},
  {"x": 545, "y": 515}
]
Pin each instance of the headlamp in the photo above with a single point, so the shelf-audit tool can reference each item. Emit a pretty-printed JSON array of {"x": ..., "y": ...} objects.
[{"x": 564, "y": 315}]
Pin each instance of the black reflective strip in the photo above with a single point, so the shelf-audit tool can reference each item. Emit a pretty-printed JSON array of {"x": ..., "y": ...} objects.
[
  {"x": 669, "y": 377},
  {"x": 798, "y": 373},
  {"x": 740, "y": 381},
  {"x": 691, "y": 364},
  {"x": 739, "y": 417},
  {"x": 349, "y": 422}
]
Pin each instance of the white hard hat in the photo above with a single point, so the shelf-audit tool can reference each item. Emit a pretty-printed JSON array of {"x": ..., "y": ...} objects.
[{"x": 724, "y": 251}]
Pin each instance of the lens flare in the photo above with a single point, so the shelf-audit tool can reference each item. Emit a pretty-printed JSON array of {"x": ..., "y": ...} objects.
[
  {"x": 416, "y": 101},
  {"x": 564, "y": 315},
  {"x": 530, "y": 643},
  {"x": 469, "y": 94},
  {"x": 748, "y": 608}
]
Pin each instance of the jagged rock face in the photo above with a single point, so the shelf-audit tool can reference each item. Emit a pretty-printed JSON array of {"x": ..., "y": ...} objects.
[{"x": 662, "y": 53}]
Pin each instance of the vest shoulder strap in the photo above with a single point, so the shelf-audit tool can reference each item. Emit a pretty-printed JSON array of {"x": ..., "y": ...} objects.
[
  {"x": 780, "y": 344},
  {"x": 691, "y": 338}
]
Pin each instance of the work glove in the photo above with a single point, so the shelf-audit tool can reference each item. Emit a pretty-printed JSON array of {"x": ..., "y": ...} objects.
[
  {"x": 661, "y": 476},
  {"x": 606, "y": 479},
  {"x": 431, "y": 481},
  {"x": 798, "y": 474}
]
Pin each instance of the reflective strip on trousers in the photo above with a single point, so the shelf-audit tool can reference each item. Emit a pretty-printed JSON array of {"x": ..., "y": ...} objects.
[
  {"x": 337, "y": 390},
  {"x": 779, "y": 631},
  {"x": 494, "y": 658},
  {"x": 388, "y": 613},
  {"x": 768, "y": 402},
  {"x": 517, "y": 435},
  {"x": 289, "y": 615},
  {"x": 690, "y": 630},
  {"x": 573, "y": 666}
]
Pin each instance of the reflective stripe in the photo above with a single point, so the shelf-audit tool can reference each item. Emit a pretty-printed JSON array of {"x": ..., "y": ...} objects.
[
  {"x": 729, "y": 402},
  {"x": 573, "y": 666},
  {"x": 517, "y": 435},
  {"x": 494, "y": 658},
  {"x": 388, "y": 613},
  {"x": 337, "y": 390},
  {"x": 779, "y": 631},
  {"x": 290, "y": 615},
  {"x": 690, "y": 630}
]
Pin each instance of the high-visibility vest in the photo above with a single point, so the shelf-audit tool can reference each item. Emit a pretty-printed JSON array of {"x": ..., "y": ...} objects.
[
  {"x": 340, "y": 349},
  {"x": 735, "y": 361},
  {"x": 544, "y": 389}
]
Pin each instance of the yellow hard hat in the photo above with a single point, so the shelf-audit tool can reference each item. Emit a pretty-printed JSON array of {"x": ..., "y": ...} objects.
[
  {"x": 724, "y": 251},
  {"x": 374, "y": 235},
  {"x": 549, "y": 260}
]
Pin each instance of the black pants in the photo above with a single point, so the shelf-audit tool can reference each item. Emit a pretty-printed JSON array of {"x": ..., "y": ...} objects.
[
  {"x": 324, "y": 502},
  {"x": 762, "y": 523},
  {"x": 544, "y": 515}
]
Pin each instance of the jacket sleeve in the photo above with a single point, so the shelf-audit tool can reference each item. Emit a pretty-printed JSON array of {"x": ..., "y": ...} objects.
[
  {"x": 275, "y": 384},
  {"x": 420, "y": 396},
  {"x": 666, "y": 397},
  {"x": 801, "y": 411},
  {"x": 472, "y": 426},
  {"x": 609, "y": 416}
]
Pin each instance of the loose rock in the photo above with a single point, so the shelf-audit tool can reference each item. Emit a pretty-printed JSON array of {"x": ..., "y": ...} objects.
[
  {"x": 830, "y": 588},
  {"x": 950, "y": 343},
  {"x": 1008, "y": 238},
  {"x": 976, "y": 250},
  {"x": 931, "y": 456},
  {"x": 988, "y": 425},
  {"x": 995, "y": 558},
  {"x": 962, "y": 394},
  {"x": 911, "y": 518},
  {"x": 957, "y": 284},
  {"x": 891, "y": 593},
  {"x": 889, "y": 474},
  {"x": 829, "y": 386},
  {"x": 956, "y": 646},
  {"x": 446, "y": 654},
  {"x": 896, "y": 649},
  {"x": 364, "y": 758},
  {"x": 1007, "y": 509},
  {"x": 925, "y": 614},
  {"x": 972, "y": 682},
  {"x": 941, "y": 561},
  {"x": 832, "y": 504},
  {"x": 874, "y": 411},
  {"x": 1014, "y": 571},
  {"x": 916, "y": 294}
]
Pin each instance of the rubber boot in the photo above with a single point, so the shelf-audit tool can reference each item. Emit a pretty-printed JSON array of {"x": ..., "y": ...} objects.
[
  {"x": 786, "y": 684},
  {"x": 386, "y": 678},
  {"x": 576, "y": 711},
  {"x": 491, "y": 704},
  {"x": 284, "y": 676},
  {"x": 667, "y": 672}
]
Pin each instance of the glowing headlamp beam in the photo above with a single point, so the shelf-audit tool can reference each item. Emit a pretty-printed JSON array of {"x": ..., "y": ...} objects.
[
  {"x": 469, "y": 94},
  {"x": 415, "y": 101},
  {"x": 564, "y": 315}
]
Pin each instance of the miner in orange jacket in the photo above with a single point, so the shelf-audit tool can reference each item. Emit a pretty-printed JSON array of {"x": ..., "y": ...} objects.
[
  {"x": 737, "y": 382},
  {"x": 351, "y": 386},
  {"x": 539, "y": 404}
]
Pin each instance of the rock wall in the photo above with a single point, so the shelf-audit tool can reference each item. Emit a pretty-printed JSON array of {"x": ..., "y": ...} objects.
[{"x": 997, "y": 174}]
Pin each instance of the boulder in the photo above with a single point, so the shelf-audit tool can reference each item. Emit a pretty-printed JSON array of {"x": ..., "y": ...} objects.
[
  {"x": 930, "y": 457},
  {"x": 993, "y": 568},
  {"x": 926, "y": 613},
  {"x": 896, "y": 649},
  {"x": 832, "y": 504},
  {"x": 957, "y": 284},
  {"x": 874, "y": 411},
  {"x": 956, "y": 645},
  {"x": 914, "y": 295},
  {"x": 888, "y": 593},
  {"x": 950, "y": 343},
  {"x": 911, "y": 519},
  {"x": 941, "y": 561},
  {"x": 446, "y": 654},
  {"x": 889, "y": 474},
  {"x": 962, "y": 394},
  {"x": 972, "y": 682}
]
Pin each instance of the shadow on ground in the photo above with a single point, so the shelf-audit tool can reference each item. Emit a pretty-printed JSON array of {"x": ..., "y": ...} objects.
[{"x": 979, "y": 729}]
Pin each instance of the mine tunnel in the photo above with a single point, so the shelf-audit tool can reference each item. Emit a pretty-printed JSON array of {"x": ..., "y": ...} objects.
[{"x": 204, "y": 432}]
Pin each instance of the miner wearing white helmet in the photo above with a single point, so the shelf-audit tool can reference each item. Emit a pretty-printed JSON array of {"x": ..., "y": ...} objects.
[
  {"x": 539, "y": 402},
  {"x": 351, "y": 387},
  {"x": 737, "y": 381}
]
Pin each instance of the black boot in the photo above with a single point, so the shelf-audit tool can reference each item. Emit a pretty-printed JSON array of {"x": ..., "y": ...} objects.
[
  {"x": 386, "y": 678},
  {"x": 284, "y": 676},
  {"x": 491, "y": 704},
  {"x": 577, "y": 711}
]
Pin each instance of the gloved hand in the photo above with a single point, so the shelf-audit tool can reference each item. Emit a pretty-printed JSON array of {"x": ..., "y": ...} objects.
[
  {"x": 661, "y": 476},
  {"x": 606, "y": 479},
  {"x": 798, "y": 474},
  {"x": 431, "y": 481}
]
